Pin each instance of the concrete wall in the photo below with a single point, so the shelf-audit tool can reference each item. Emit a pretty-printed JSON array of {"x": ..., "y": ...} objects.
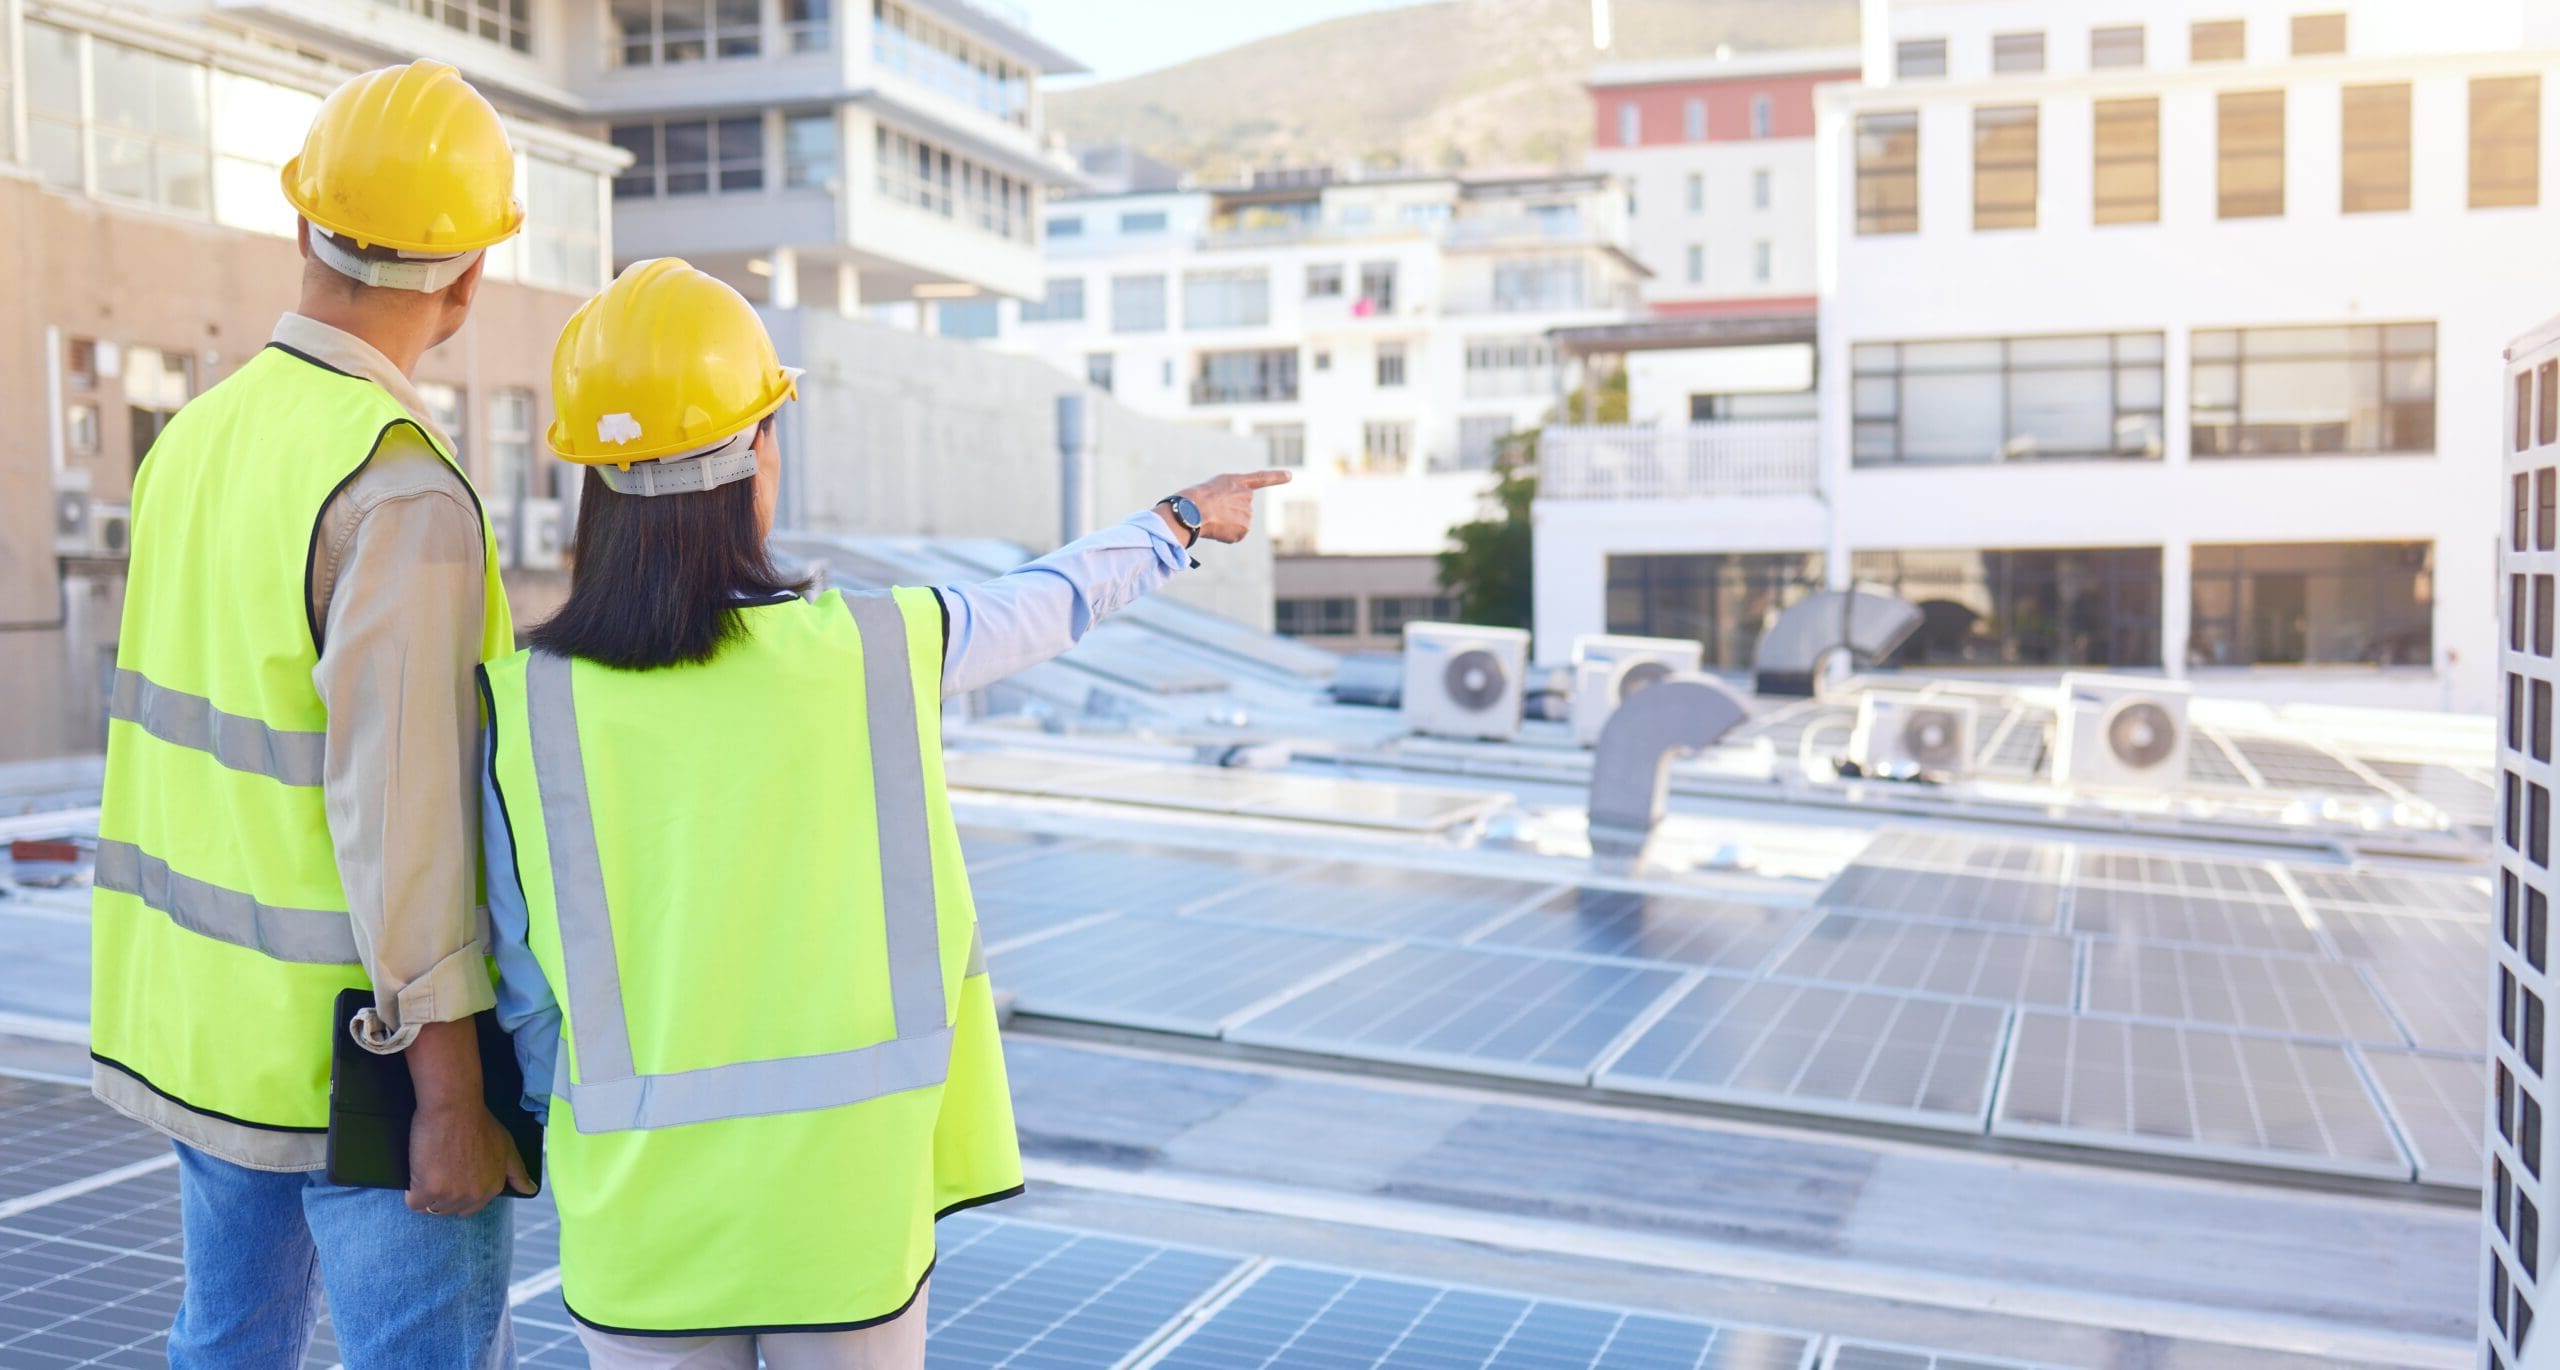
[{"x": 900, "y": 433}]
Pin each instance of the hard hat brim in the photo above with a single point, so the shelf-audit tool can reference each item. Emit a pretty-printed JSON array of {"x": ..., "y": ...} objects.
[{"x": 310, "y": 209}]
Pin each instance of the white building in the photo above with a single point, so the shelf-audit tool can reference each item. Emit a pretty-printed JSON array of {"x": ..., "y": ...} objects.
[
  {"x": 2132, "y": 327},
  {"x": 1380, "y": 334}
]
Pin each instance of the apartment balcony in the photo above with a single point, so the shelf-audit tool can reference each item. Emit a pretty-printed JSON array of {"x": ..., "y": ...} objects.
[
  {"x": 1699, "y": 461},
  {"x": 1205, "y": 391}
]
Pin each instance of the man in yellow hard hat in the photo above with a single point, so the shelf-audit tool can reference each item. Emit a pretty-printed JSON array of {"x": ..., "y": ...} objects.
[{"x": 289, "y": 770}]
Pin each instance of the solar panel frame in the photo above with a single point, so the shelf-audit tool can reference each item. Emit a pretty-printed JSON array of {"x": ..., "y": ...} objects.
[
  {"x": 1771, "y": 1037},
  {"x": 1026, "y": 772},
  {"x": 1869, "y": 1355},
  {"x": 2436, "y": 1103},
  {"x": 1642, "y": 926},
  {"x": 1105, "y": 876},
  {"x": 2438, "y": 1009},
  {"x": 2368, "y": 935},
  {"x": 1114, "y": 971},
  {"x": 2197, "y": 918},
  {"x": 2103, "y": 1062},
  {"x": 2277, "y": 995},
  {"x": 1018, "y": 1294},
  {"x": 1950, "y": 959},
  {"x": 1474, "y": 1009}
]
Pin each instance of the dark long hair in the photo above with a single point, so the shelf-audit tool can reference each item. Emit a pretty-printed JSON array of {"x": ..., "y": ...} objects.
[{"x": 657, "y": 579}]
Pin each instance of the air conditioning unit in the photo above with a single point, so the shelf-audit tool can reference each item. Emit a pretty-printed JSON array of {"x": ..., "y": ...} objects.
[
  {"x": 1464, "y": 681},
  {"x": 2122, "y": 732},
  {"x": 91, "y": 528},
  {"x": 542, "y": 534},
  {"x": 1913, "y": 734},
  {"x": 1608, "y": 669}
]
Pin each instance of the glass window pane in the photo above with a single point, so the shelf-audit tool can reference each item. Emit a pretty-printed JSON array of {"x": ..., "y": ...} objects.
[
  {"x": 1868, "y": 357},
  {"x": 1952, "y": 356},
  {"x": 2083, "y": 350},
  {"x": 2131, "y": 347},
  {"x": 1872, "y": 397},
  {"x": 1951, "y": 417},
  {"x": 2060, "y": 413},
  {"x": 53, "y": 71}
]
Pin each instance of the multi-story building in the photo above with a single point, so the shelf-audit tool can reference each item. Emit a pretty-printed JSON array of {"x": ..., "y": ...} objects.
[
  {"x": 2132, "y": 326},
  {"x": 1381, "y": 334}
]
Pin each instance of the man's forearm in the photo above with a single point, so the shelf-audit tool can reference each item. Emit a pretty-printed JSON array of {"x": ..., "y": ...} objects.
[{"x": 444, "y": 1066}]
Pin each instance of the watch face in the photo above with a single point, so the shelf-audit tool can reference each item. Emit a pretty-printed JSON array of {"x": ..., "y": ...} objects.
[{"x": 1186, "y": 511}]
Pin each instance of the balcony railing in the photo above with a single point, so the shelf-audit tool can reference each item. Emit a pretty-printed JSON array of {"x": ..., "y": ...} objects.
[{"x": 1621, "y": 461}]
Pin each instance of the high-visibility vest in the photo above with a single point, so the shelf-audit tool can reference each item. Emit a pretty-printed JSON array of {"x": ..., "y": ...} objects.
[
  {"x": 778, "y": 1059},
  {"x": 220, "y": 929}
]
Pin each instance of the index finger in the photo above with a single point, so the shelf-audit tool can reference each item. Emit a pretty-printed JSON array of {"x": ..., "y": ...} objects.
[{"x": 1255, "y": 480}]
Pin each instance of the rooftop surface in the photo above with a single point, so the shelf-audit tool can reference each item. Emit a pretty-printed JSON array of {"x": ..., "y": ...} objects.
[{"x": 1354, "y": 1054}]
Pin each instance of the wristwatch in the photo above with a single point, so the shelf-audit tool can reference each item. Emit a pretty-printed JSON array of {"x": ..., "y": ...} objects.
[{"x": 1185, "y": 513}]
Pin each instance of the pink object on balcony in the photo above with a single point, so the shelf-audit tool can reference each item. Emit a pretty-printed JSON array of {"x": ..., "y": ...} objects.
[{"x": 1363, "y": 307}]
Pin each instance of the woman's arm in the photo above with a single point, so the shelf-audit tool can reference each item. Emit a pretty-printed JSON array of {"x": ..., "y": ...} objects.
[
  {"x": 1038, "y": 611},
  {"x": 525, "y": 1006}
]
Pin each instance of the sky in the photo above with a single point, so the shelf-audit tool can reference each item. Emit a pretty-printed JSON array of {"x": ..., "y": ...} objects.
[{"x": 1124, "y": 37}]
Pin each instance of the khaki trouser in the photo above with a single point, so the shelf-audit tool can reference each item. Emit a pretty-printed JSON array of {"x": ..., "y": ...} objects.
[{"x": 897, "y": 1344}]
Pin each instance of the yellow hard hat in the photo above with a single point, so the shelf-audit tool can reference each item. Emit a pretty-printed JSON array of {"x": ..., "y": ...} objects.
[
  {"x": 410, "y": 158},
  {"x": 667, "y": 362}
]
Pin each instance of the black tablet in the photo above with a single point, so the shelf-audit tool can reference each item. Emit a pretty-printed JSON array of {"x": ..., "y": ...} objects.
[{"x": 371, "y": 1102}]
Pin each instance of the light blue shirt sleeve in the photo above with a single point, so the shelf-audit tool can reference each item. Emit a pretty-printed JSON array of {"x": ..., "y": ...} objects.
[
  {"x": 1041, "y": 609},
  {"x": 525, "y": 1006}
]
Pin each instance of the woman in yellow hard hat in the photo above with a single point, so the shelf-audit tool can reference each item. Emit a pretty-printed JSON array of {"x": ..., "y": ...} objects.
[{"x": 735, "y": 937}]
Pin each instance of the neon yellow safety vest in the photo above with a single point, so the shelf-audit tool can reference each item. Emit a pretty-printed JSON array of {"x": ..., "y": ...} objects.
[
  {"x": 220, "y": 929},
  {"x": 778, "y": 1059}
]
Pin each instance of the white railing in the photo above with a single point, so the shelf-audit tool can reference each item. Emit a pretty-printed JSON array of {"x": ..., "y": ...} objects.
[{"x": 1622, "y": 461}]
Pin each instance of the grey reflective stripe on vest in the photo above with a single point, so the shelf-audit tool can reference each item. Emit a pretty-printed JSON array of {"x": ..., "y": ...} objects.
[
  {"x": 606, "y": 1094},
  {"x": 312, "y": 936},
  {"x": 237, "y": 741}
]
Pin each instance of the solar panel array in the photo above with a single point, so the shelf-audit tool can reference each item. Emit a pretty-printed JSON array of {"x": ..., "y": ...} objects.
[
  {"x": 2146, "y": 1000},
  {"x": 1221, "y": 790}
]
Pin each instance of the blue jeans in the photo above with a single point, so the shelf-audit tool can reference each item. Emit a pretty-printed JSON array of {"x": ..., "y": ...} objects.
[{"x": 406, "y": 1291}]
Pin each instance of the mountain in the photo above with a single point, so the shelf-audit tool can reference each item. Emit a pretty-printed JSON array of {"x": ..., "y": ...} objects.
[{"x": 1459, "y": 83}]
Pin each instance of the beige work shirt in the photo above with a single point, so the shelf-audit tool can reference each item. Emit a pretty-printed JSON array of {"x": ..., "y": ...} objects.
[{"x": 396, "y": 585}]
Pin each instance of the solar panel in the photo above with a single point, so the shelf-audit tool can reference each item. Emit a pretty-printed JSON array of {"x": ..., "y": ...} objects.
[
  {"x": 2209, "y": 764},
  {"x": 1497, "y": 1013},
  {"x": 2202, "y": 1092},
  {"x": 1860, "y": 1355},
  {"x": 1134, "y": 657},
  {"x": 1937, "y": 894},
  {"x": 93, "y": 1279},
  {"x": 1969, "y": 963},
  {"x": 1374, "y": 901},
  {"x": 1914, "y": 849},
  {"x": 1170, "y": 974},
  {"x": 2442, "y": 895},
  {"x": 53, "y": 1134},
  {"x": 1310, "y": 1318},
  {"x": 1820, "y": 1049},
  {"x": 2466, "y": 800},
  {"x": 2017, "y": 745},
  {"x": 2187, "y": 875},
  {"x": 546, "y": 1336},
  {"x": 2189, "y": 915},
  {"x": 2435, "y": 1102},
  {"x": 1633, "y": 925},
  {"x": 2438, "y": 1002},
  {"x": 1004, "y": 924},
  {"x": 2363, "y": 935},
  {"x": 1106, "y": 877},
  {"x": 2295, "y": 996},
  {"x": 1027, "y": 1295},
  {"x": 1405, "y": 808},
  {"x": 1022, "y": 772},
  {"x": 984, "y": 846},
  {"x": 2296, "y": 766}
]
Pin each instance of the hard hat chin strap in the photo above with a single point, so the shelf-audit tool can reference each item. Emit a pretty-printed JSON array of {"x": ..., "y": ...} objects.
[
  {"x": 425, "y": 275},
  {"x": 729, "y": 460}
]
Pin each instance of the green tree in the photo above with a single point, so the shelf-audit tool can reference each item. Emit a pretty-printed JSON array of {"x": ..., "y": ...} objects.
[{"x": 1489, "y": 567}]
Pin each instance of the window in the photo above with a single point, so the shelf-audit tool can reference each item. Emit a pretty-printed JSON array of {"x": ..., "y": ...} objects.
[
  {"x": 2217, "y": 40},
  {"x": 2080, "y": 606},
  {"x": 1760, "y": 188},
  {"x": 1508, "y": 366},
  {"x": 741, "y": 154},
  {"x": 2315, "y": 603},
  {"x": 1480, "y": 440},
  {"x": 639, "y": 180},
  {"x": 810, "y": 158},
  {"x": 1760, "y": 251},
  {"x": 80, "y": 428},
  {"x": 1525, "y": 284},
  {"x": 2125, "y": 186},
  {"x": 1760, "y": 116},
  {"x": 1142, "y": 221},
  {"x": 2115, "y": 47},
  {"x": 80, "y": 362},
  {"x": 510, "y": 448},
  {"x": 1889, "y": 173},
  {"x": 1067, "y": 226},
  {"x": 1236, "y": 298},
  {"x": 1697, "y": 188},
  {"x": 1915, "y": 57},
  {"x": 1097, "y": 370},
  {"x": 147, "y": 135},
  {"x": 1064, "y": 302},
  {"x": 1386, "y": 447},
  {"x": 1389, "y": 613},
  {"x": 1264, "y": 375},
  {"x": 2004, "y": 167},
  {"x": 562, "y": 246},
  {"x": 2017, "y": 53},
  {"x": 53, "y": 105},
  {"x": 156, "y": 385},
  {"x": 1330, "y": 616},
  {"x": 1424, "y": 215},
  {"x": 808, "y": 25},
  {"x": 1323, "y": 359},
  {"x": 496, "y": 21},
  {"x": 1630, "y": 124},
  {"x": 2250, "y": 168},
  {"x": 972, "y": 319},
  {"x": 1693, "y": 120},
  {"x": 1324, "y": 282},
  {"x": 1137, "y": 304},
  {"x": 2272, "y": 392},
  {"x": 257, "y": 128},
  {"x": 2319, "y": 35},
  {"x": 2093, "y": 395},
  {"x": 1722, "y": 600},
  {"x": 2506, "y": 141},
  {"x": 1697, "y": 258},
  {"x": 667, "y": 32},
  {"x": 1283, "y": 444},
  {"x": 913, "y": 171},
  {"x": 2373, "y": 148},
  {"x": 1378, "y": 287},
  {"x": 1390, "y": 365},
  {"x": 444, "y": 410},
  {"x": 1711, "y": 407},
  {"x": 912, "y": 45}
]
